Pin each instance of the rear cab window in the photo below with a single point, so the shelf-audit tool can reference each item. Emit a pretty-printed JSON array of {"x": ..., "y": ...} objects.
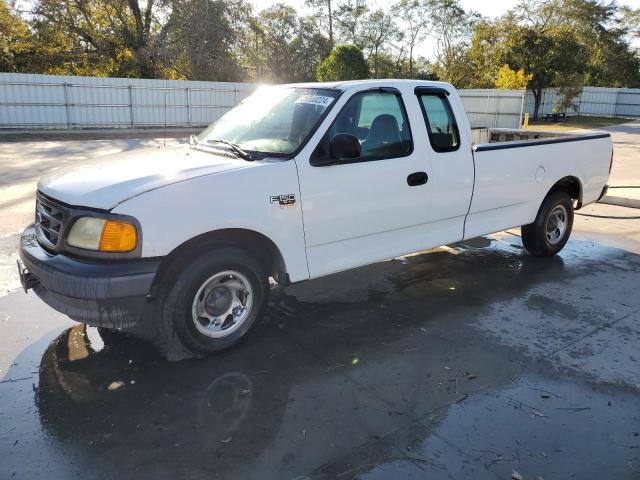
[{"x": 441, "y": 124}]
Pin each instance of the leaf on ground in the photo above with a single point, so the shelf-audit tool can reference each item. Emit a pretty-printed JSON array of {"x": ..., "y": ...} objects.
[{"x": 115, "y": 385}]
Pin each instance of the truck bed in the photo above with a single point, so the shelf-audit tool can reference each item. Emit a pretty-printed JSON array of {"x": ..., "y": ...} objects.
[
  {"x": 514, "y": 170},
  {"x": 481, "y": 136}
]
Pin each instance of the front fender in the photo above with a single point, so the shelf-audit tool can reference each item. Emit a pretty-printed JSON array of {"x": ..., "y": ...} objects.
[{"x": 245, "y": 199}]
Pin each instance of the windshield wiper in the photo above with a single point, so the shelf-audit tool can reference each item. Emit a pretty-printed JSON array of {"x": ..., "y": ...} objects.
[{"x": 235, "y": 148}]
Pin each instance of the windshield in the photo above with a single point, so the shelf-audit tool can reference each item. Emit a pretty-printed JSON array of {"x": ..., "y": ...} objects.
[{"x": 273, "y": 120}]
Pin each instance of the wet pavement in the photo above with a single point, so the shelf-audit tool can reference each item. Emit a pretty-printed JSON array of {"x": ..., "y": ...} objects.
[{"x": 473, "y": 361}]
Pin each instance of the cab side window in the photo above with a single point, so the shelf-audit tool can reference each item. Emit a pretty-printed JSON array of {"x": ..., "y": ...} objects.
[
  {"x": 441, "y": 124},
  {"x": 378, "y": 120}
]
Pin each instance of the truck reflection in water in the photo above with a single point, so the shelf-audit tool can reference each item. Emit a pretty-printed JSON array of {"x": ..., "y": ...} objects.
[{"x": 121, "y": 401}]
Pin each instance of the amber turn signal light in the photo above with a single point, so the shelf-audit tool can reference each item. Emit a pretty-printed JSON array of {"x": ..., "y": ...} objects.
[{"x": 118, "y": 236}]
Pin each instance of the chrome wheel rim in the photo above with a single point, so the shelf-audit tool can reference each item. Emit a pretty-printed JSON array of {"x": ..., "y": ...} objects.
[
  {"x": 222, "y": 304},
  {"x": 556, "y": 225}
]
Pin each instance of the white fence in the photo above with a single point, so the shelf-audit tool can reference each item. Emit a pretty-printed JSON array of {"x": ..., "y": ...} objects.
[
  {"x": 46, "y": 101},
  {"x": 493, "y": 108},
  {"x": 600, "y": 101}
]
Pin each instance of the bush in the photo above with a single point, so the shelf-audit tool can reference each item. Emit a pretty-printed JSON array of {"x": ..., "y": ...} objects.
[
  {"x": 509, "y": 79},
  {"x": 345, "y": 62}
]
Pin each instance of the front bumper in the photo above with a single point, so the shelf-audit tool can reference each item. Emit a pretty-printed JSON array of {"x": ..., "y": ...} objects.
[{"x": 107, "y": 294}]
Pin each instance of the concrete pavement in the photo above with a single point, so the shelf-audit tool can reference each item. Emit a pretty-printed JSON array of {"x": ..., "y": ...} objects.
[{"x": 471, "y": 361}]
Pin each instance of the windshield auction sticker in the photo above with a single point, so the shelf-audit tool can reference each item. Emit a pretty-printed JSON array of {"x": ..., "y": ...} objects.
[{"x": 321, "y": 100}]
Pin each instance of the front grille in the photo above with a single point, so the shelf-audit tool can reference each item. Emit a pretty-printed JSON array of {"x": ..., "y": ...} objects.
[{"x": 50, "y": 218}]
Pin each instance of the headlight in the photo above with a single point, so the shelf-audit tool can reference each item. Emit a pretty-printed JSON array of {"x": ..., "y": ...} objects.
[{"x": 103, "y": 235}]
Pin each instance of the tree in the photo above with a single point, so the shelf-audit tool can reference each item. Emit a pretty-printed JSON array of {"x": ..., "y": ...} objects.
[
  {"x": 424, "y": 69},
  {"x": 276, "y": 26},
  {"x": 562, "y": 43},
  {"x": 205, "y": 38},
  {"x": 549, "y": 52},
  {"x": 116, "y": 37},
  {"x": 380, "y": 28},
  {"x": 15, "y": 40},
  {"x": 310, "y": 47},
  {"x": 412, "y": 14},
  {"x": 351, "y": 20},
  {"x": 345, "y": 62},
  {"x": 452, "y": 27},
  {"x": 291, "y": 48},
  {"x": 567, "y": 99},
  {"x": 509, "y": 79},
  {"x": 325, "y": 14},
  {"x": 604, "y": 35},
  {"x": 630, "y": 20}
]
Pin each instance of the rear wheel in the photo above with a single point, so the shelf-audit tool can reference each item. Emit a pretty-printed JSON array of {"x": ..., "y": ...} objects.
[
  {"x": 214, "y": 301},
  {"x": 550, "y": 231}
]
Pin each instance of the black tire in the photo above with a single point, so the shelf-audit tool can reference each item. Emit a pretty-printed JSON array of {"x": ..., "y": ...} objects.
[
  {"x": 176, "y": 309},
  {"x": 534, "y": 235}
]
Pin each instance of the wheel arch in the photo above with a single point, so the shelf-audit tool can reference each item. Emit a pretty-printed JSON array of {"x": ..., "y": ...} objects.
[
  {"x": 571, "y": 185},
  {"x": 259, "y": 245}
]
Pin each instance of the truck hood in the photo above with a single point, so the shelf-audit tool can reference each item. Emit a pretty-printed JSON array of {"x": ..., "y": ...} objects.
[{"x": 107, "y": 181}]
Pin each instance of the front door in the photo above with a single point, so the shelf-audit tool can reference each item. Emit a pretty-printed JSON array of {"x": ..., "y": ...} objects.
[{"x": 373, "y": 207}]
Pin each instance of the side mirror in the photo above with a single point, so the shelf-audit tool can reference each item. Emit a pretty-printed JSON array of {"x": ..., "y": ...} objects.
[{"x": 344, "y": 145}]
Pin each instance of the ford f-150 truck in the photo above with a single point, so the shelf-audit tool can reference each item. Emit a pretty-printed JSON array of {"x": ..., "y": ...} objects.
[{"x": 297, "y": 182}]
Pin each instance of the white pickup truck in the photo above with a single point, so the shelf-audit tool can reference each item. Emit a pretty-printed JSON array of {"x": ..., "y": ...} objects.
[{"x": 296, "y": 182}]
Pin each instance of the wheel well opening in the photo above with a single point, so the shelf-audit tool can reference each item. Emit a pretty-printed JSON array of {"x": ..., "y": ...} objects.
[
  {"x": 258, "y": 245},
  {"x": 572, "y": 186}
]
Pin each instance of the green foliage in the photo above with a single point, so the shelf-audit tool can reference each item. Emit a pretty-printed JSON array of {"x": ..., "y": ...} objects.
[
  {"x": 373, "y": 32},
  {"x": 101, "y": 37},
  {"x": 16, "y": 43},
  {"x": 562, "y": 43},
  {"x": 531, "y": 39},
  {"x": 452, "y": 25},
  {"x": 509, "y": 79},
  {"x": 324, "y": 16},
  {"x": 286, "y": 47},
  {"x": 557, "y": 43},
  {"x": 416, "y": 21},
  {"x": 203, "y": 43},
  {"x": 345, "y": 62},
  {"x": 351, "y": 18},
  {"x": 630, "y": 21}
]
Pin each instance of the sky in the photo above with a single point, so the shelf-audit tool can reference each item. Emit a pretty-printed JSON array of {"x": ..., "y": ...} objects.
[{"x": 488, "y": 8}]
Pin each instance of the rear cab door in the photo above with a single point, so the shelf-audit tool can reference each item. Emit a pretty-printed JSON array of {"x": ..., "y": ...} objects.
[
  {"x": 452, "y": 171},
  {"x": 376, "y": 206}
]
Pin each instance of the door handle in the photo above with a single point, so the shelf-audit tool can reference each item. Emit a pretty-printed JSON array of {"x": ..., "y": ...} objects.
[{"x": 417, "y": 178}]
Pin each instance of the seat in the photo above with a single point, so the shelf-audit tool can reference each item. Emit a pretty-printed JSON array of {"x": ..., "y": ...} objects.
[{"x": 383, "y": 138}]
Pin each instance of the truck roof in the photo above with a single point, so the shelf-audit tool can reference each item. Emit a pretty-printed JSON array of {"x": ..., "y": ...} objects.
[{"x": 347, "y": 84}]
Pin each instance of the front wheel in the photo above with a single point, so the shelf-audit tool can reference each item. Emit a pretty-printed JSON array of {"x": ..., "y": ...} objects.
[
  {"x": 213, "y": 301},
  {"x": 550, "y": 231}
]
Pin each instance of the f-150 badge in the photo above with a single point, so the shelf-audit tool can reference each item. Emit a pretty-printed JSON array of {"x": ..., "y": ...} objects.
[{"x": 288, "y": 200}]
